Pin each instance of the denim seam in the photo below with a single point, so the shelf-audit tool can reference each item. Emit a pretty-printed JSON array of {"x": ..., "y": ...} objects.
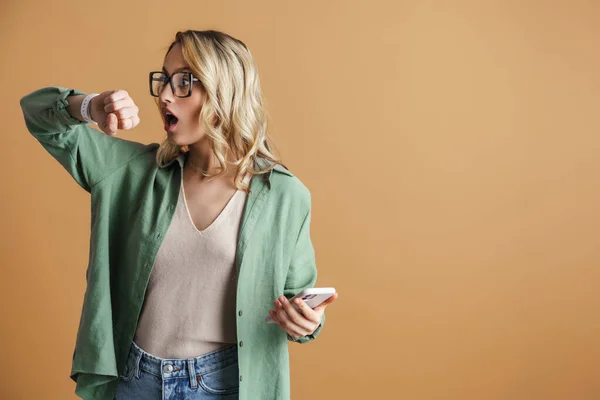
[{"x": 219, "y": 392}]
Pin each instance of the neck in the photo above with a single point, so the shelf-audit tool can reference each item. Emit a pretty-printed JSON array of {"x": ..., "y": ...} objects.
[
  {"x": 201, "y": 157},
  {"x": 201, "y": 161}
]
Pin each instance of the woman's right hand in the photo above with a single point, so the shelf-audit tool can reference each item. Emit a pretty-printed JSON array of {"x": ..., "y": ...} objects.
[{"x": 114, "y": 110}]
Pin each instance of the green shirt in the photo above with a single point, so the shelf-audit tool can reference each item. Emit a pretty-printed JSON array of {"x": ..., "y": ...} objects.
[{"x": 132, "y": 204}]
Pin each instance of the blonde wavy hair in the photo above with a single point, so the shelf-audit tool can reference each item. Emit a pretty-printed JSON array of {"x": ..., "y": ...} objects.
[{"x": 233, "y": 114}]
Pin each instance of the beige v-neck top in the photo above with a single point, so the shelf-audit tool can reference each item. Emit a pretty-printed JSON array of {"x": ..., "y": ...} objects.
[{"x": 189, "y": 307}]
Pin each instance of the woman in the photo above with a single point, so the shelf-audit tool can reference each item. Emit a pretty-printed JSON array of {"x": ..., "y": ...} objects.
[{"x": 194, "y": 241}]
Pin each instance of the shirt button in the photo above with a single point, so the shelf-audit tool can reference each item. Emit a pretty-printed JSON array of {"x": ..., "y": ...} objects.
[
  {"x": 168, "y": 368},
  {"x": 241, "y": 344},
  {"x": 240, "y": 378},
  {"x": 240, "y": 313}
]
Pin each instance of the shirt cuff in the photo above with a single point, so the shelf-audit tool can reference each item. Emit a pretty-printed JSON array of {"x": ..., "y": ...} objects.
[{"x": 60, "y": 106}]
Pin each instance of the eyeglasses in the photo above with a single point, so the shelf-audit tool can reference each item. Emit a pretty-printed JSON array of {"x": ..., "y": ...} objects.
[{"x": 181, "y": 83}]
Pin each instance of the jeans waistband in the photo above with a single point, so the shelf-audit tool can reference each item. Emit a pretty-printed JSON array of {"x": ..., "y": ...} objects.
[{"x": 172, "y": 368}]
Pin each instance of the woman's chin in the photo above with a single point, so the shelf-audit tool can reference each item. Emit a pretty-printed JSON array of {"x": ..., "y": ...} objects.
[
  {"x": 174, "y": 139},
  {"x": 173, "y": 136},
  {"x": 177, "y": 139}
]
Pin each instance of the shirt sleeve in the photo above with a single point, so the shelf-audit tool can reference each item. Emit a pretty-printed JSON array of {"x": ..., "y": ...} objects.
[
  {"x": 302, "y": 273},
  {"x": 86, "y": 153}
]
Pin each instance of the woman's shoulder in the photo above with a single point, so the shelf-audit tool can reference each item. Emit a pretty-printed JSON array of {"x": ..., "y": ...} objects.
[
  {"x": 287, "y": 184},
  {"x": 147, "y": 156}
]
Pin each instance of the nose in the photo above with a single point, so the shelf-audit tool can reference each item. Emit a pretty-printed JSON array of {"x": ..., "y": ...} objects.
[{"x": 166, "y": 94}]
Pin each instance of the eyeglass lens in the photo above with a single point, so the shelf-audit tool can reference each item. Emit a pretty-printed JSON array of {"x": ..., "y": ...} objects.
[{"x": 181, "y": 83}]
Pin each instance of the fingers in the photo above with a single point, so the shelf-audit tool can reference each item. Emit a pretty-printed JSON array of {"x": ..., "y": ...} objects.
[
  {"x": 327, "y": 302},
  {"x": 122, "y": 113},
  {"x": 129, "y": 123},
  {"x": 125, "y": 104},
  {"x": 284, "y": 325},
  {"x": 115, "y": 96},
  {"x": 128, "y": 112},
  {"x": 291, "y": 318},
  {"x": 113, "y": 124},
  {"x": 308, "y": 312}
]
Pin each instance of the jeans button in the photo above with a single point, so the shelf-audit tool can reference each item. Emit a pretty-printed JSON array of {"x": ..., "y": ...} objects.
[{"x": 168, "y": 368}]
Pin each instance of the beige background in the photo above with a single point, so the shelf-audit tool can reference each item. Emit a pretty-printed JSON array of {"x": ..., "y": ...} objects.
[{"x": 451, "y": 149}]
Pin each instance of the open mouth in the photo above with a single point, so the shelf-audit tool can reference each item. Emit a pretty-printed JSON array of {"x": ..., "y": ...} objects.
[{"x": 171, "y": 120}]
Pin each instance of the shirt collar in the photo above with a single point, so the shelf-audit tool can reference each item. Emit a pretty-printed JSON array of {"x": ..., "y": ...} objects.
[{"x": 259, "y": 163}]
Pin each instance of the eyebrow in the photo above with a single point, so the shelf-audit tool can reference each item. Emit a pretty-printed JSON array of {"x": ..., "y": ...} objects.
[{"x": 177, "y": 70}]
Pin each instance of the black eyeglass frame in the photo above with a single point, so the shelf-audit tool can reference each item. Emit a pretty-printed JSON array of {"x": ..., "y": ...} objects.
[{"x": 169, "y": 81}]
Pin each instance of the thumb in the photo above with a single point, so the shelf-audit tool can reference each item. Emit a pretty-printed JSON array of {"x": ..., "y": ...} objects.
[
  {"x": 327, "y": 302},
  {"x": 110, "y": 127}
]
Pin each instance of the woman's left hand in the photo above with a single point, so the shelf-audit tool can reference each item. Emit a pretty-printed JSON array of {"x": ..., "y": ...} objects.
[{"x": 298, "y": 324}]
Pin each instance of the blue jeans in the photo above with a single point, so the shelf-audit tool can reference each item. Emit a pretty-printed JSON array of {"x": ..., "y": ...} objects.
[{"x": 214, "y": 375}]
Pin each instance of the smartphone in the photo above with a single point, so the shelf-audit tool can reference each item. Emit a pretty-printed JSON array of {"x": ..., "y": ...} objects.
[{"x": 312, "y": 297}]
